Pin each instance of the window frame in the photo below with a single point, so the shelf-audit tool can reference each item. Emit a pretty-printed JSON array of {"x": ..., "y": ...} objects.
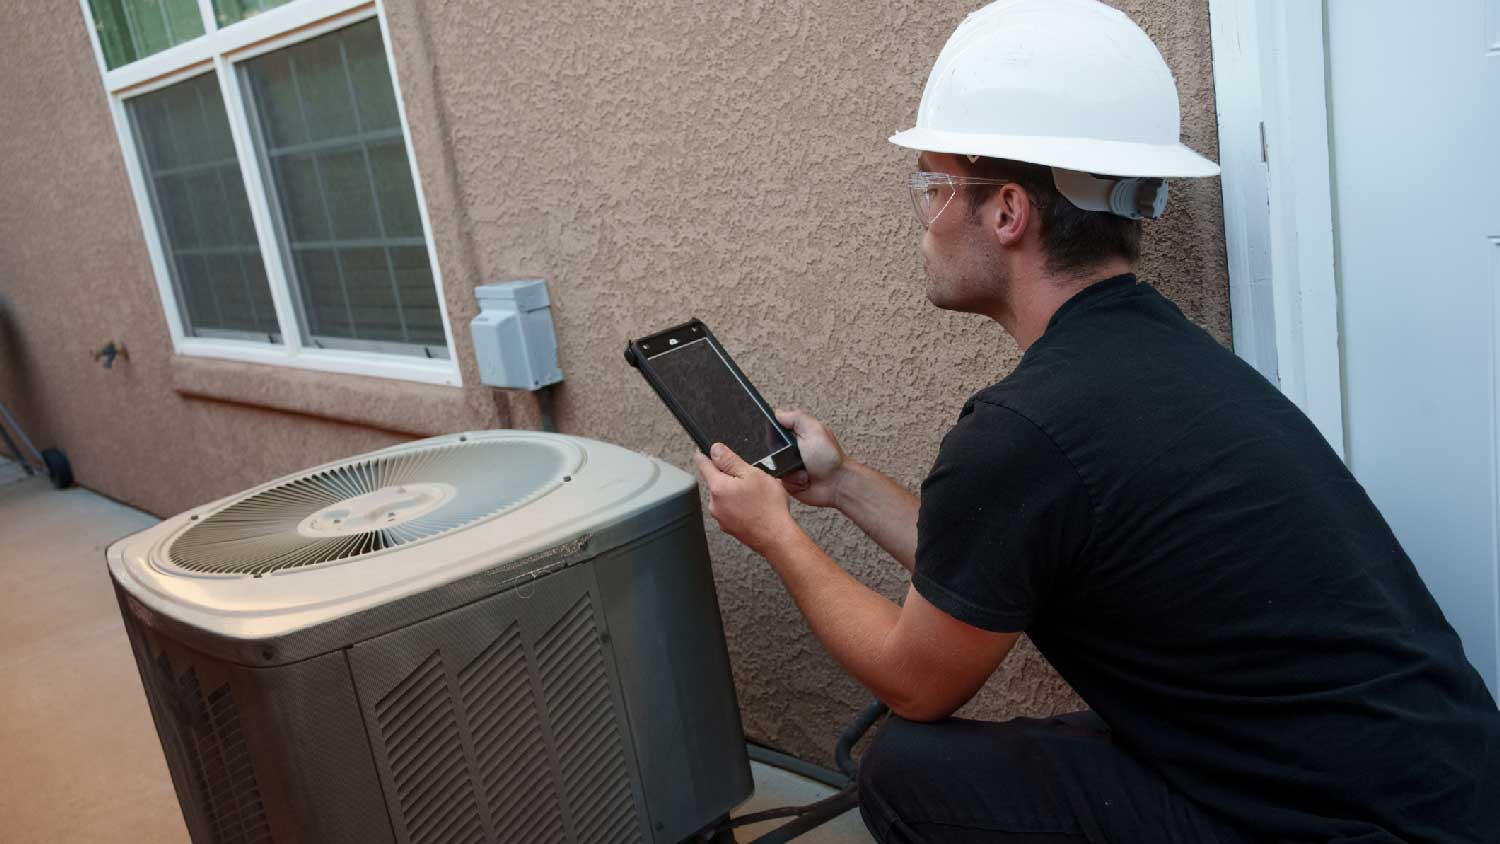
[{"x": 222, "y": 50}]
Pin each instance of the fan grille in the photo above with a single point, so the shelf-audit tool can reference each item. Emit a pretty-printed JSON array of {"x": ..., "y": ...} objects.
[{"x": 265, "y": 532}]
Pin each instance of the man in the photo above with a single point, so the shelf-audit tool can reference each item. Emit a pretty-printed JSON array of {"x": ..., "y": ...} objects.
[{"x": 1262, "y": 661}]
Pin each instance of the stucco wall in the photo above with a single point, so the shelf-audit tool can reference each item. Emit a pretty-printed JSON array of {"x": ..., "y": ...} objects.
[{"x": 651, "y": 160}]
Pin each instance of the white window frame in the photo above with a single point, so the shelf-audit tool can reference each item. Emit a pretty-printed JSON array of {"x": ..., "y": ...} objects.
[
  {"x": 222, "y": 50},
  {"x": 1270, "y": 72}
]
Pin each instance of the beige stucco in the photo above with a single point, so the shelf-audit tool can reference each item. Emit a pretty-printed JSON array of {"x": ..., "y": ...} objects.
[{"x": 652, "y": 160}]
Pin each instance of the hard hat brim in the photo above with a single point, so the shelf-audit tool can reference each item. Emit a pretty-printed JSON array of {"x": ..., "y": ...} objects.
[{"x": 1087, "y": 155}]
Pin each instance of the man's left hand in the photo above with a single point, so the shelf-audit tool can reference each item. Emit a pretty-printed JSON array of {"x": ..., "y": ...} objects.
[{"x": 748, "y": 504}]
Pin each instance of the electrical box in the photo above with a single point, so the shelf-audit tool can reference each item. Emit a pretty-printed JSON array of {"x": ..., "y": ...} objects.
[{"x": 514, "y": 342}]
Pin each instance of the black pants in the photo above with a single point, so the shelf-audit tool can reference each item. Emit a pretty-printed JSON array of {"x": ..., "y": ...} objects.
[{"x": 1040, "y": 781}]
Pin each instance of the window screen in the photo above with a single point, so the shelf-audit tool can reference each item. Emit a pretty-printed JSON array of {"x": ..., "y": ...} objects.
[
  {"x": 135, "y": 29},
  {"x": 331, "y": 137},
  {"x": 203, "y": 217},
  {"x": 233, "y": 11}
]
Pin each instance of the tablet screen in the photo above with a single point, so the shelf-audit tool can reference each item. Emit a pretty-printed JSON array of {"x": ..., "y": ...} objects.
[{"x": 712, "y": 396}]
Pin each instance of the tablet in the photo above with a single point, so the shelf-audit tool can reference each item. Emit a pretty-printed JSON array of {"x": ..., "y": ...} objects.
[{"x": 712, "y": 398}]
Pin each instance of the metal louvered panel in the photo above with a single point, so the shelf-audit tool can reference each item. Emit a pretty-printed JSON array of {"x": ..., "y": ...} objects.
[
  {"x": 510, "y": 748},
  {"x": 220, "y": 771},
  {"x": 591, "y": 754},
  {"x": 233, "y": 795},
  {"x": 519, "y": 709},
  {"x": 434, "y": 791}
]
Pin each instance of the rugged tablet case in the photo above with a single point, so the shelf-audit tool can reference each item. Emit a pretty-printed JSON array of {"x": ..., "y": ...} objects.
[{"x": 636, "y": 356}]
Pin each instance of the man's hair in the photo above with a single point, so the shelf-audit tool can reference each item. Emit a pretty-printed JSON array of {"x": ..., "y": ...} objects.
[{"x": 1072, "y": 239}]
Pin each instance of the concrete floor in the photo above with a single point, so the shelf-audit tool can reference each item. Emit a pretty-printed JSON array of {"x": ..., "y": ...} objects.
[{"x": 79, "y": 758}]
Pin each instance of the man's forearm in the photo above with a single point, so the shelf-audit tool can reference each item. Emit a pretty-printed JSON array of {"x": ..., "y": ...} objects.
[
  {"x": 851, "y": 620},
  {"x": 883, "y": 509}
]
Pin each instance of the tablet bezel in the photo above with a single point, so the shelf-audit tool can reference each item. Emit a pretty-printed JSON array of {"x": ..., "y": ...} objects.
[{"x": 639, "y": 354}]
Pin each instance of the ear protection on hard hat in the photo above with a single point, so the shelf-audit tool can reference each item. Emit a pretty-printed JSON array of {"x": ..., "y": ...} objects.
[{"x": 1134, "y": 197}]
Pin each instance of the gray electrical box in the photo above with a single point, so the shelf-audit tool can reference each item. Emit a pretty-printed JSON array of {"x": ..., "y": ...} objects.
[{"x": 514, "y": 342}]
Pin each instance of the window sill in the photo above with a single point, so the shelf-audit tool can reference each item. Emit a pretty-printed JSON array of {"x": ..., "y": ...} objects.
[{"x": 402, "y": 407}]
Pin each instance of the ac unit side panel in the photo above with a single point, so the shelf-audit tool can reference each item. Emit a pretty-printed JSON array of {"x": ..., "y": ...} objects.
[
  {"x": 600, "y": 772},
  {"x": 501, "y": 721},
  {"x": 169, "y": 729},
  {"x": 201, "y": 728},
  {"x": 668, "y": 642},
  {"x": 260, "y": 755},
  {"x": 305, "y": 731}
]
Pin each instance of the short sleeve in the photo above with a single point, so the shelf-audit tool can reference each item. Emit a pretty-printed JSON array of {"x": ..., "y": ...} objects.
[{"x": 1003, "y": 518}]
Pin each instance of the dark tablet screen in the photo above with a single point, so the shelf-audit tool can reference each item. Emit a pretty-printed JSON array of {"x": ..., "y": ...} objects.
[{"x": 697, "y": 376}]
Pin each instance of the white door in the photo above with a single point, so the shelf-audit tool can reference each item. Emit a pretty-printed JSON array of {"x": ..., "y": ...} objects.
[{"x": 1414, "y": 131}]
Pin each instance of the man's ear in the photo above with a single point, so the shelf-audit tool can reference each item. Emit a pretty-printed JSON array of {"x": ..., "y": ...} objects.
[{"x": 1010, "y": 213}]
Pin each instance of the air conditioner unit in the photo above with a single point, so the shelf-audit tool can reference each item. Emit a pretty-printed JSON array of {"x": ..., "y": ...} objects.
[{"x": 486, "y": 637}]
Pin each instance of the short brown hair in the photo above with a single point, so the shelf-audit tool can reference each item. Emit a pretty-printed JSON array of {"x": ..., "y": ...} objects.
[{"x": 1073, "y": 239}]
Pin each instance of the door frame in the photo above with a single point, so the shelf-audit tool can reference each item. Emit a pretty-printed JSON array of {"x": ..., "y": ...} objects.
[
  {"x": 1277, "y": 186},
  {"x": 1278, "y": 192}
]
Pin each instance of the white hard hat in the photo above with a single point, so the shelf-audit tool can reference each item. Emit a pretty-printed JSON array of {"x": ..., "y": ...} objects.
[{"x": 1070, "y": 84}]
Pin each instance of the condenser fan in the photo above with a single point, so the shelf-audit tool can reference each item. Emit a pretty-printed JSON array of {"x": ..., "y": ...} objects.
[{"x": 369, "y": 504}]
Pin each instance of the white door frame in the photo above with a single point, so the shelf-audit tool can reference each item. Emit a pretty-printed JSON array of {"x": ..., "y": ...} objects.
[{"x": 1270, "y": 83}]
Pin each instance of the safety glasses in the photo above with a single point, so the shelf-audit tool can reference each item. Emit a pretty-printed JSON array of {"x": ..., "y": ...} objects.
[{"x": 931, "y": 192}]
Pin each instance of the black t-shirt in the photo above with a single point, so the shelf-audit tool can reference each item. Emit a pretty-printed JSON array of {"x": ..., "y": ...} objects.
[{"x": 1181, "y": 543}]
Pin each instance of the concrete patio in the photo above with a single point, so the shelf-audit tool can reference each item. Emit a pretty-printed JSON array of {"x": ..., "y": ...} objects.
[{"x": 79, "y": 758}]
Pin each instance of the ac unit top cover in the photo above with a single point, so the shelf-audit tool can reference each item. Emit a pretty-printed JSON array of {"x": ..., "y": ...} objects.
[{"x": 365, "y": 531}]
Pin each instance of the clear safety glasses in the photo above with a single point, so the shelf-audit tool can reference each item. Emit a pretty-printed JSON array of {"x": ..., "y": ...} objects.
[{"x": 931, "y": 192}]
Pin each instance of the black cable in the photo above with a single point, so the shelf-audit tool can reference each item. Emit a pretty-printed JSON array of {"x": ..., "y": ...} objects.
[
  {"x": 776, "y": 759},
  {"x": 784, "y": 812},
  {"x": 546, "y": 405},
  {"x": 843, "y": 754},
  {"x": 813, "y": 815}
]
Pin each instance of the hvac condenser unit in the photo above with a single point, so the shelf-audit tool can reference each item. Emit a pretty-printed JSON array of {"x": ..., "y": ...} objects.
[{"x": 489, "y": 637}]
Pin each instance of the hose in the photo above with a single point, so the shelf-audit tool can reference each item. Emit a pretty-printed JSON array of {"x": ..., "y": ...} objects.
[{"x": 813, "y": 815}]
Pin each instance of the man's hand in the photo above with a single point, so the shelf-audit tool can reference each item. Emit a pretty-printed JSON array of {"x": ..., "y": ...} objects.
[
  {"x": 748, "y": 504},
  {"x": 823, "y": 458},
  {"x": 919, "y": 660}
]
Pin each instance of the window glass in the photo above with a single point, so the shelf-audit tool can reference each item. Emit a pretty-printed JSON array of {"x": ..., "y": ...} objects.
[
  {"x": 233, "y": 11},
  {"x": 331, "y": 137},
  {"x": 198, "y": 194},
  {"x": 135, "y": 29}
]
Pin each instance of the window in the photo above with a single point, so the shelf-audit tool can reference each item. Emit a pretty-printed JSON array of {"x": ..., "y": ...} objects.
[
  {"x": 134, "y": 29},
  {"x": 330, "y": 134},
  {"x": 202, "y": 215},
  {"x": 268, "y": 151},
  {"x": 232, "y": 11}
]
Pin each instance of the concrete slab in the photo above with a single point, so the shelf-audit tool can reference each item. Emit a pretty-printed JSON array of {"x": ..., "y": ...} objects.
[{"x": 79, "y": 757}]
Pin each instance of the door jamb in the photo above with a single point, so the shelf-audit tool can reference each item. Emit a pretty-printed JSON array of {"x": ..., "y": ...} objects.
[{"x": 1270, "y": 82}]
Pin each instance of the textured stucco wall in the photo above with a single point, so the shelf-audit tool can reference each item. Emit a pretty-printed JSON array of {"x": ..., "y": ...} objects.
[
  {"x": 74, "y": 272},
  {"x": 652, "y": 160}
]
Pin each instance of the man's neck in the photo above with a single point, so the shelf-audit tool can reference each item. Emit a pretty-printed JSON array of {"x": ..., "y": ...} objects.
[{"x": 1034, "y": 300}]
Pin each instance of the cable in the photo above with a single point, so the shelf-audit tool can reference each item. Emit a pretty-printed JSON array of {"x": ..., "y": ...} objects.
[
  {"x": 843, "y": 754},
  {"x": 546, "y": 405},
  {"x": 813, "y": 815},
  {"x": 776, "y": 759}
]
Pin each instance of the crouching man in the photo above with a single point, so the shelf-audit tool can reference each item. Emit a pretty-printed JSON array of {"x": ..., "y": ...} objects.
[{"x": 1261, "y": 659}]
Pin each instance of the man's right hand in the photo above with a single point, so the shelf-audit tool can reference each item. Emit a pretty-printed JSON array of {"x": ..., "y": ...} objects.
[{"x": 822, "y": 458}]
